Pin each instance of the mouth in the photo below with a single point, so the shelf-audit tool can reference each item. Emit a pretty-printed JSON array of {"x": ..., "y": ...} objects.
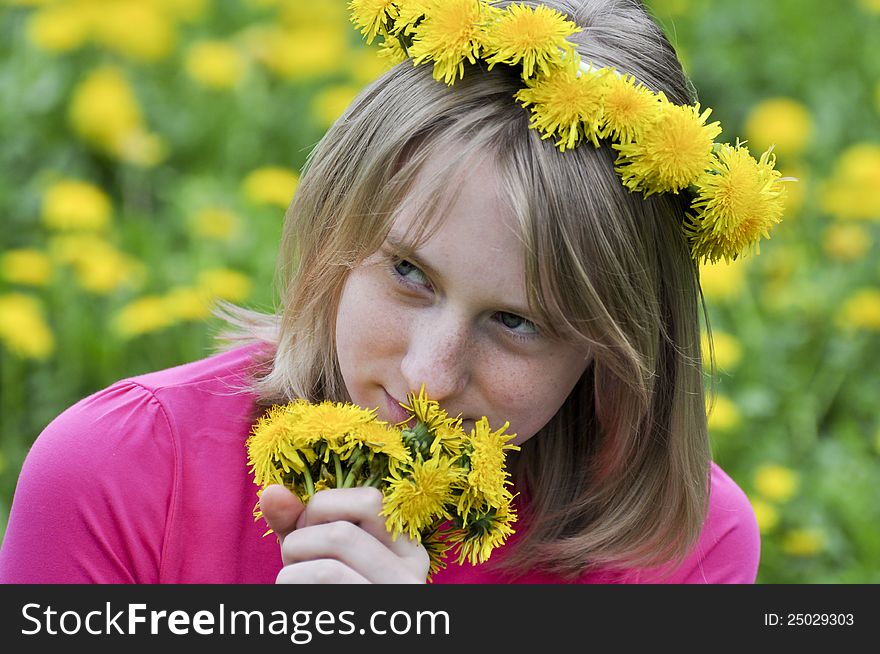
[{"x": 396, "y": 413}]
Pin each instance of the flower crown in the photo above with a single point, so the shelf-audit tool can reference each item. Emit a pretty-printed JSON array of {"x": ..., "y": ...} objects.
[{"x": 662, "y": 147}]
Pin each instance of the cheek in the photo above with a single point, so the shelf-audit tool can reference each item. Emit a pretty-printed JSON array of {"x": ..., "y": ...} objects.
[
  {"x": 367, "y": 324},
  {"x": 533, "y": 393}
]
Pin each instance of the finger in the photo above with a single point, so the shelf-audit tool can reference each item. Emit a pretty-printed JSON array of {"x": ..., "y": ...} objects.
[
  {"x": 358, "y": 550},
  {"x": 362, "y": 506},
  {"x": 327, "y": 571},
  {"x": 281, "y": 509}
]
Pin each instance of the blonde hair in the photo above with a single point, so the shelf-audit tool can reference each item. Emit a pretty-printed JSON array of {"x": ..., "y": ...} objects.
[{"x": 619, "y": 477}]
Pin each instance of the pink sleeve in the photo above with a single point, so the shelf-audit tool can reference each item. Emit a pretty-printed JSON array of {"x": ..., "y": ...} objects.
[
  {"x": 93, "y": 497},
  {"x": 729, "y": 548}
]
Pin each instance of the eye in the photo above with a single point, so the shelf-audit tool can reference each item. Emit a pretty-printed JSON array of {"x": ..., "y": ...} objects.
[
  {"x": 517, "y": 324},
  {"x": 410, "y": 273}
]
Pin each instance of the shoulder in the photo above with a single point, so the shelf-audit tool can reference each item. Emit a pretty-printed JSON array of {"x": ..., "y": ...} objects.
[
  {"x": 107, "y": 472},
  {"x": 728, "y": 549}
]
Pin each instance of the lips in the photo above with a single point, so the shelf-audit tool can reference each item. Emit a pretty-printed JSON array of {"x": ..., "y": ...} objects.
[{"x": 393, "y": 410}]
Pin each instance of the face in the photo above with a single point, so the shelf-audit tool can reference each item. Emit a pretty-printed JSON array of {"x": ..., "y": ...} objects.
[{"x": 453, "y": 315}]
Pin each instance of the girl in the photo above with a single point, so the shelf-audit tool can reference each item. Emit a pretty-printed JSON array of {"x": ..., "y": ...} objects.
[{"x": 435, "y": 239}]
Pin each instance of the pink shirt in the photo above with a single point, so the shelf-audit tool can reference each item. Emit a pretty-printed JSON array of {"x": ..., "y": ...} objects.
[{"x": 146, "y": 482}]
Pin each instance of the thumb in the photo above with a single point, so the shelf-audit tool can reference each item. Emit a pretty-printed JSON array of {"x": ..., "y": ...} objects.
[{"x": 281, "y": 509}]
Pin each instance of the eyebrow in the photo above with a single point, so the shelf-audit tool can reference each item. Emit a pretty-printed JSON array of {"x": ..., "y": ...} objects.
[{"x": 406, "y": 251}]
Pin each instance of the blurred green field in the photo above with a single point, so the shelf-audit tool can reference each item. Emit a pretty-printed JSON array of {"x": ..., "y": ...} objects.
[{"x": 150, "y": 147}]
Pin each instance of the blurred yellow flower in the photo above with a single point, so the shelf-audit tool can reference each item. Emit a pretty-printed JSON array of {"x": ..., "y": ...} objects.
[
  {"x": 188, "y": 303},
  {"x": 366, "y": 64},
  {"x": 26, "y": 266},
  {"x": 98, "y": 266},
  {"x": 861, "y": 310},
  {"x": 783, "y": 123},
  {"x": 184, "y": 10},
  {"x": 142, "y": 316},
  {"x": 853, "y": 191},
  {"x": 60, "y": 27},
  {"x": 872, "y": 6},
  {"x": 23, "y": 329},
  {"x": 728, "y": 350},
  {"x": 766, "y": 515},
  {"x": 225, "y": 284},
  {"x": 722, "y": 280},
  {"x": 313, "y": 14},
  {"x": 104, "y": 112},
  {"x": 271, "y": 185},
  {"x": 138, "y": 29},
  {"x": 723, "y": 414},
  {"x": 803, "y": 542},
  {"x": 776, "y": 482},
  {"x": 74, "y": 205},
  {"x": 330, "y": 103},
  {"x": 299, "y": 54},
  {"x": 215, "y": 64},
  {"x": 215, "y": 223},
  {"x": 846, "y": 241}
]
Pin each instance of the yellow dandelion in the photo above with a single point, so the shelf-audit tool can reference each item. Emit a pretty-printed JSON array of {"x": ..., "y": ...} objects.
[
  {"x": 23, "y": 327},
  {"x": 331, "y": 102},
  {"x": 451, "y": 33},
  {"x": 853, "y": 192},
  {"x": 776, "y": 482},
  {"x": 105, "y": 114},
  {"x": 392, "y": 51},
  {"x": 437, "y": 548},
  {"x": 98, "y": 266},
  {"x": 861, "y": 310},
  {"x": 722, "y": 414},
  {"x": 378, "y": 437},
  {"x": 136, "y": 29},
  {"x": 846, "y": 241},
  {"x": 75, "y": 205},
  {"x": 142, "y": 316},
  {"x": 726, "y": 348},
  {"x": 723, "y": 280},
  {"x": 372, "y": 17},
  {"x": 425, "y": 410},
  {"x": 215, "y": 64},
  {"x": 533, "y": 36},
  {"x": 330, "y": 420},
  {"x": 276, "y": 446},
  {"x": 482, "y": 533},
  {"x": 629, "y": 109},
  {"x": 567, "y": 105},
  {"x": 272, "y": 185},
  {"x": 60, "y": 28},
  {"x": 188, "y": 303},
  {"x": 26, "y": 266},
  {"x": 737, "y": 203},
  {"x": 766, "y": 515},
  {"x": 487, "y": 477},
  {"x": 297, "y": 54},
  {"x": 803, "y": 542},
  {"x": 225, "y": 284},
  {"x": 419, "y": 497},
  {"x": 409, "y": 12},
  {"x": 215, "y": 223},
  {"x": 673, "y": 152},
  {"x": 783, "y": 124}
]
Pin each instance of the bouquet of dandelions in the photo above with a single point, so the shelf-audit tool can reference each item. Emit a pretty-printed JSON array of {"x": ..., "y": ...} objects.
[{"x": 448, "y": 489}]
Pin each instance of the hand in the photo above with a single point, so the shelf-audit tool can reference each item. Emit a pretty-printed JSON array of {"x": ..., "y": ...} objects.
[{"x": 340, "y": 538}]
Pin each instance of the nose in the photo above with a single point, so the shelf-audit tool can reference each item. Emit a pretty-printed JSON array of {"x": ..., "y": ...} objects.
[{"x": 438, "y": 357}]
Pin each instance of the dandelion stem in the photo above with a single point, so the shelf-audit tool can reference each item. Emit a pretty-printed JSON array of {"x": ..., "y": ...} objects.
[
  {"x": 338, "y": 464},
  {"x": 356, "y": 462},
  {"x": 310, "y": 486}
]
